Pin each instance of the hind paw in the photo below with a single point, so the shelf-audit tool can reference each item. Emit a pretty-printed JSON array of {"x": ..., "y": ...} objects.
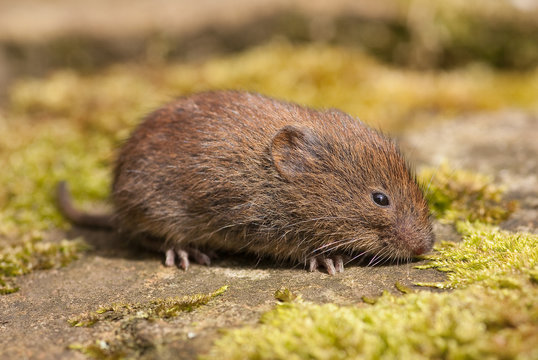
[
  {"x": 333, "y": 264},
  {"x": 172, "y": 256}
]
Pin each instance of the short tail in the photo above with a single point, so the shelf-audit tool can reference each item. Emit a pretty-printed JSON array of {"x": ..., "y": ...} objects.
[{"x": 77, "y": 217}]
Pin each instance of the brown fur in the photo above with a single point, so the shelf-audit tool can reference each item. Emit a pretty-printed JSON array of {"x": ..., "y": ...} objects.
[{"x": 243, "y": 172}]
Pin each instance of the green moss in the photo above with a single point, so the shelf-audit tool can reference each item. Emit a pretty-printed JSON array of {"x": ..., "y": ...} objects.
[
  {"x": 43, "y": 156},
  {"x": 128, "y": 320},
  {"x": 317, "y": 75},
  {"x": 35, "y": 157},
  {"x": 369, "y": 300},
  {"x": 475, "y": 323},
  {"x": 492, "y": 314},
  {"x": 402, "y": 288},
  {"x": 456, "y": 195},
  {"x": 35, "y": 254},
  {"x": 100, "y": 349}
]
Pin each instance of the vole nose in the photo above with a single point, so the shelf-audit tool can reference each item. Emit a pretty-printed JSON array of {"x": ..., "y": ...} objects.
[
  {"x": 422, "y": 246},
  {"x": 414, "y": 239},
  {"x": 420, "y": 249}
]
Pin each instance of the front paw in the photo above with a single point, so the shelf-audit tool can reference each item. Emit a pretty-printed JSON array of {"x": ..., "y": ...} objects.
[
  {"x": 333, "y": 264},
  {"x": 183, "y": 254}
]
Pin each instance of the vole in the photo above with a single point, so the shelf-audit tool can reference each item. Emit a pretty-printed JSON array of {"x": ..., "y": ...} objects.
[{"x": 240, "y": 171}]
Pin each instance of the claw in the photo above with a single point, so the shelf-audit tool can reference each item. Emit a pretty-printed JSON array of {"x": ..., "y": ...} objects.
[
  {"x": 333, "y": 265},
  {"x": 170, "y": 258},
  {"x": 339, "y": 263},
  {"x": 312, "y": 264},
  {"x": 183, "y": 259},
  {"x": 174, "y": 254},
  {"x": 200, "y": 257},
  {"x": 329, "y": 265}
]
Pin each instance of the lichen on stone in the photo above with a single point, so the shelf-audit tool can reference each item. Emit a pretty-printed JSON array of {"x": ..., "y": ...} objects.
[
  {"x": 33, "y": 253},
  {"x": 128, "y": 319},
  {"x": 154, "y": 309}
]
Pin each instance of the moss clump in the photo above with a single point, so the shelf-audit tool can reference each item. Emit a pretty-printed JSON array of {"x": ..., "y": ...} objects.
[
  {"x": 35, "y": 254},
  {"x": 286, "y": 295},
  {"x": 487, "y": 255},
  {"x": 155, "y": 309},
  {"x": 402, "y": 288},
  {"x": 35, "y": 157},
  {"x": 456, "y": 195},
  {"x": 42, "y": 157},
  {"x": 493, "y": 313},
  {"x": 129, "y": 320},
  {"x": 100, "y": 349},
  {"x": 476, "y": 323}
]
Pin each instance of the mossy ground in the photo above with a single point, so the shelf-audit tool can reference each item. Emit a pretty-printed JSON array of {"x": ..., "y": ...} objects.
[
  {"x": 155, "y": 309},
  {"x": 34, "y": 254},
  {"x": 493, "y": 314}
]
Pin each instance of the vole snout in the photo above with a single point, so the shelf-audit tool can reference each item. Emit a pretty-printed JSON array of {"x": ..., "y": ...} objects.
[{"x": 413, "y": 239}]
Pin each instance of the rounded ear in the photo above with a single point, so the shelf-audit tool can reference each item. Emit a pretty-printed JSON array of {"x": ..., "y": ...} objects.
[{"x": 293, "y": 150}]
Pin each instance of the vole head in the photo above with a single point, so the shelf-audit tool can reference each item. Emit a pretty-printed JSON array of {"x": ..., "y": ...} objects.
[{"x": 351, "y": 190}]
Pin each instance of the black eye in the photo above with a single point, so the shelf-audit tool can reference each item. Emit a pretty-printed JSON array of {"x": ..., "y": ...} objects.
[{"x": 380, "y": 199}]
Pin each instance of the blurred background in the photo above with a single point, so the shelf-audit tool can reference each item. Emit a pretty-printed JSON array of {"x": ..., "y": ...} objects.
[{"x": 37, "y": 36}]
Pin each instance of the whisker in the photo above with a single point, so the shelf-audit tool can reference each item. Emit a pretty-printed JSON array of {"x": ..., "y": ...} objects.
[
  {"x": 372, "y": 259},
  {"x": 356, "y": 257},
  {"x": 328, "y": 245},
  {"x": 427, "y": 192},
  {"x": 337, "y": 244},
  {"x": 379, "y": 260},
  {"x": 318, "y": 219}
]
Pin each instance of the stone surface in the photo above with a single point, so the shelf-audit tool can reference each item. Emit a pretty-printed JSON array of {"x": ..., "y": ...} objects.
[{"x": 34, "y": 320}]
